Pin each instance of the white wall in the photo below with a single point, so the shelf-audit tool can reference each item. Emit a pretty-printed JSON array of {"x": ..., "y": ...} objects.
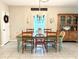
[
  {"x": 19, "y": 16},
  {"x": 4, "y": 7}
]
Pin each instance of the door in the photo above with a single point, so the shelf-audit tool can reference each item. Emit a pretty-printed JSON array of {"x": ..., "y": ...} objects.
[
  {"x": 4, "y": 30},
  {"x": 0, "y": 28}
]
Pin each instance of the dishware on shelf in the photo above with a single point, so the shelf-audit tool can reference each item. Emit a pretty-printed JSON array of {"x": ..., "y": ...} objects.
[{"x": 66, "y": 27}]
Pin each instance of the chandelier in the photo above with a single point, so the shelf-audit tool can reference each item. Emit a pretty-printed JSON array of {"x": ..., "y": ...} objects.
[{"x": 39, "y": 16}]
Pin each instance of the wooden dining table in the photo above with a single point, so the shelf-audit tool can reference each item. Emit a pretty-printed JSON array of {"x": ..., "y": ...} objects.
[{"x": 19, "y": 41}]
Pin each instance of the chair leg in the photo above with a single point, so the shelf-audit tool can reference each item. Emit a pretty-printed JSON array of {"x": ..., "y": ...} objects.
[
  {"x": 43, "y": 46},
  {"x": 31, "y": 50},
  {"x": 22, "y": 49},
  {"x": 25, "y": 47},
  {"x": 55, "y": 44},
  {"x": 46, "y": 47},
  {"x": 35, "y": 47},
  {"x": 32, "y": 47},
  {"x": 60, "y": 46}
]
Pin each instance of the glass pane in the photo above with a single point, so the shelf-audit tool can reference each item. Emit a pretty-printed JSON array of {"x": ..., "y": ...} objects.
[
  {"x": 75, "y": 20},
  {"x": 72, "y": 28},
  {"x": 62, "y": 20},
  {"x": 75, "y": 28},
  {"x": 69, "y": 20}
]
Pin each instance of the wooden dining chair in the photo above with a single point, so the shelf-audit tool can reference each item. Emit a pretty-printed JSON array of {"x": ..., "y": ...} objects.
[
  {"x": 61, "y": 37},
  {"x": 27, "y": 38},
  {"x": 40, "y": 40},
  {"x": 51, "y": 38}
]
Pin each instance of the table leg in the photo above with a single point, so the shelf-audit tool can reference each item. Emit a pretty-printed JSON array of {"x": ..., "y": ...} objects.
[{"x": 57, "y": 44}]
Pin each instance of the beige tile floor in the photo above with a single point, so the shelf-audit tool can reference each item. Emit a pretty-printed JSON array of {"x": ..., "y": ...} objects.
[{"x": 9, "y": 51}]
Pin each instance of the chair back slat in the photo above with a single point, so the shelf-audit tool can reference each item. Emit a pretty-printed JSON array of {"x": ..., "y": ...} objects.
[
  {"x": 26, "y": 35},
  {"x": 51, "y": 33},
  {"x": 47, "y": 30},
  {"x": 62, "y": 33},
  {"x": 30, "y": 30}
]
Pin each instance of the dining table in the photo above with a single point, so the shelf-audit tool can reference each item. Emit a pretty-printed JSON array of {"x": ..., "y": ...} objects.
[{"x": 19, "y": 41}]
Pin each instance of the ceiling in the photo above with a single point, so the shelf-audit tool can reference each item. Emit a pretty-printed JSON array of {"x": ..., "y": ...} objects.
[{"x": 36, "y": 3}]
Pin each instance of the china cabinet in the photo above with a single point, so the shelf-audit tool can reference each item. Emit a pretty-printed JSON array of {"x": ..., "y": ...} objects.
[{"x": 68, "y": 23}]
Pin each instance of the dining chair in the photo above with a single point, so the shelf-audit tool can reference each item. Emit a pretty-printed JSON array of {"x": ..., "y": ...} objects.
[
  {"x": 27, "y": 38},
  {"x": 40, "y": 40},
  {"x": 61, "y": 37},
  {"x": 51, "y": 39}
]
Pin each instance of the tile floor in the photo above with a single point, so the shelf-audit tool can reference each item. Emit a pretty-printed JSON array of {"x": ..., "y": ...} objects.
[{"x": 9, "y": 51}]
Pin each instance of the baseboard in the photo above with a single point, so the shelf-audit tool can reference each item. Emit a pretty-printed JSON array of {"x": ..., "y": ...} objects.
[
  {"x": 5, "y": 43},
  {"x": 69, "y": 41},
  {"x": 12, "y": 40}
]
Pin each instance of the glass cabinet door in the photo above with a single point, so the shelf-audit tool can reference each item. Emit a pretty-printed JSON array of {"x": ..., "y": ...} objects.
[
  {"x": 75, "y": 20},
  {"x": 62, "y": 20},
  {"x": 69, "y": 20}
]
